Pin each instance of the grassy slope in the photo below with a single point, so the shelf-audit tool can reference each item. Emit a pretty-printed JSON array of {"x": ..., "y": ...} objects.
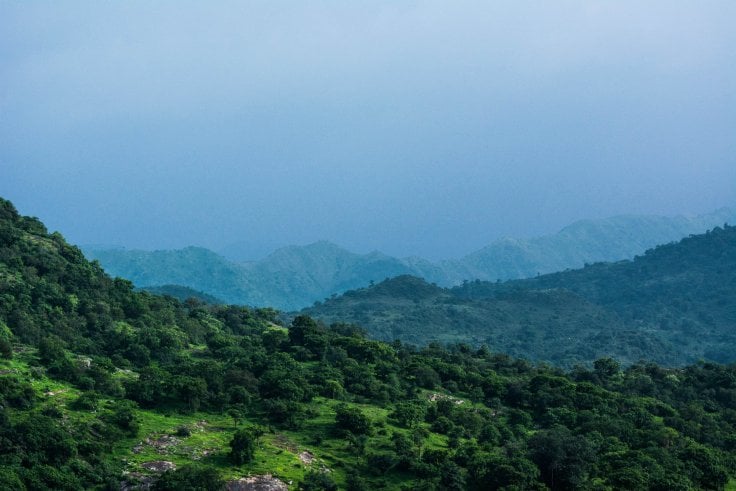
[{"x": 208, "y": 443}]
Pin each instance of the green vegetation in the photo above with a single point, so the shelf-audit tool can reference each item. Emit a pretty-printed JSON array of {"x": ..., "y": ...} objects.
[
  {"x": 182, "y": 293},
  {"x": 105, "y": 384},
  {"x": 674, "y": 305}
]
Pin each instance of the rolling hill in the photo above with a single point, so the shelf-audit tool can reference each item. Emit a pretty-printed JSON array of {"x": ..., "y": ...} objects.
[
  {"x": 296, "y": 276},
  {"x": 105, "y": 387},
  {"x": 674, "y": 305}
]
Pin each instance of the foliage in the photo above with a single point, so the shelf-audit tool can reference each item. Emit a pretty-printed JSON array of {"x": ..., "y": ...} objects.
[
  {"x": 675, "y": 305},
  {"x": 243, "y": 445},
  {"x": 439, "y": 417},
  {"x": 317, "y": 481},
  {"x": 352, "y": 419},
  {"x": 193, "y": 478}
]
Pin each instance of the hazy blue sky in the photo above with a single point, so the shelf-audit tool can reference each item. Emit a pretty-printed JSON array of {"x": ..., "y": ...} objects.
[{"x": 426, "y": 128}]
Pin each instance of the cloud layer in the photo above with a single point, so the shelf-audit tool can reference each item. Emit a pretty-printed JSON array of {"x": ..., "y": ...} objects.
[{"x": 414, "y": 127}]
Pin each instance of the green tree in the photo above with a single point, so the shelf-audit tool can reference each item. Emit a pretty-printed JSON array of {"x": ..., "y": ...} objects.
[
  {"x": 51, "y": 350},
  {"x": 352, "y": 419},
  {"x": 190, "y": 478},
  {"x": 562, "y": 457},
  {"x": 243, "y": 445},
  {"x": 236, "y": 414},
  {"x": 124, "y": 417},
  {"x": 317, "y": 481},
  {"x": 409, "y": 414},
  {"x": 6, "y": 341}
]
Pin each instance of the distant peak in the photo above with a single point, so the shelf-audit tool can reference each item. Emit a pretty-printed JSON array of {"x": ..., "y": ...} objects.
[{"x": 323, "y": 244}]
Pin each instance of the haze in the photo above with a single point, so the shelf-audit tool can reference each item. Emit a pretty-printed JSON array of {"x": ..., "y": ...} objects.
[{"x": 415, "y": 128}]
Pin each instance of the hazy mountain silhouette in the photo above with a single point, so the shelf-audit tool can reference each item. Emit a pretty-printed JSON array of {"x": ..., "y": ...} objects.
[{"x": 296, "y": 276}]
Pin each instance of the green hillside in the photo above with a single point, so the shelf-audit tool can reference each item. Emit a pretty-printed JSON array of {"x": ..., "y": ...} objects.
[
  {"x": 295, "y": 277},
  {"x": 673, "y": 305},
  {"x": 182, "y": 293},
  {"x": 586, "y": 241},
  {"x": 555, "y": 326},
  {"x": 102, "y": 385}
]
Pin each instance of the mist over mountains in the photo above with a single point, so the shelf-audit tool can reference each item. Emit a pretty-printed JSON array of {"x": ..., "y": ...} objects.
[{"x": 294, "y": 277}]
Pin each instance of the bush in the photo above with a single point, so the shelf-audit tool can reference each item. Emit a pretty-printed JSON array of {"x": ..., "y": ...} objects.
[
  {"x": 183, "y": 431},
  {"x": 195, "y": 478},
  {"x": 317, "y": 481},
  {"x": 87, "y": 401}
]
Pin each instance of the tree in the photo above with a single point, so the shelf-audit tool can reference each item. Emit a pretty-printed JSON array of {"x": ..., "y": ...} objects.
[
  {"x": 317, "y": 481},
  {"x": 6, "y": 341},
  {"x": 705, "y": 466},
  {"x": 51, "y": 350},
  {"x": 606, "y": 368},
  {"x": 236, "y": 414},
  {"x": 191, "y": 389},
  {"x": 87, "y": 401},
  {"x": 452, "y": 478},
  {"x": 243, "y": 444},
  {"x": 301, "y": 327},
  {"x": 409, "y": 414},
  {"x": 191, "y": 478},
  {"x": 352, "y": 419},
  {"x": 487, "y": 471},
  {"x": 124, "y": 418},
  {"x": 356, "y": 483},
  {"x": 45, "y": 441},
  {"x": 563, "y": 458},
  {"x": 9, "y": 479}
]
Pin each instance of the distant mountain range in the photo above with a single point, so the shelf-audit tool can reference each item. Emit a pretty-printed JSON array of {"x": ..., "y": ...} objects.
[
  {"x": 296, "y": 276},
  {"x": 674, "y": 305}
]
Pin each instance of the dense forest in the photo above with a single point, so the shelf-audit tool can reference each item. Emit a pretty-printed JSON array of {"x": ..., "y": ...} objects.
[
  {"x": 674, "y": 305},
  {"x": 101, "y": 384}
]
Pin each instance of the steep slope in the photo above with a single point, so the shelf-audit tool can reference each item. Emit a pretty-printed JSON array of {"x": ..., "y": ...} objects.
[{"x": 674, "y": 305}]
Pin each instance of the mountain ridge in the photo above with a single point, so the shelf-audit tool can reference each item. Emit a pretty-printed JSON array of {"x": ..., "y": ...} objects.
[
  {"x": 674, "y": 305},
  {"x": 293, "y": 277},
  {"x": 103, "y": 387}
]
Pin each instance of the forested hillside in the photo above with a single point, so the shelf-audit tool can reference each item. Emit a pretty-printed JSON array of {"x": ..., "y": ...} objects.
[
  {"x": 182, "y": 293},
  {"x": 674, "y": 305},
  {"x": 295, "y": 277},
  {"x": 102, "y": 385}
]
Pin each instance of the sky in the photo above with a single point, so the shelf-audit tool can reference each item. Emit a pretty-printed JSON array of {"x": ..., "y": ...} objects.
[{"x": 415, "y": 128}]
